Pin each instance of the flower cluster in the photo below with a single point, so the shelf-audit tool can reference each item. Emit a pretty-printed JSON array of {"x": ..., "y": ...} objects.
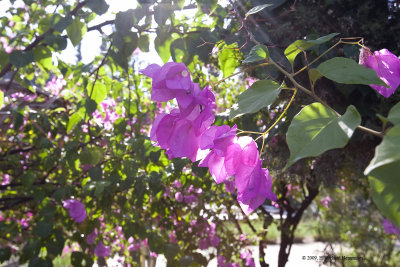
[
  {"x": 106, "y": 116},
  {"x": 386, "y": 65},
  {"x": 76, "y": 210},
  {"x": 390, "y": 228},
  {"x": 187, "y": 131}
]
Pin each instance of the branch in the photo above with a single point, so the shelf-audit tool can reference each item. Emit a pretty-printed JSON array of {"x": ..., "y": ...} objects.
[
  {"x": 98, "y": 27},
  {"x": 40, "y": 38},
  {"x": 17, "y": 201}
]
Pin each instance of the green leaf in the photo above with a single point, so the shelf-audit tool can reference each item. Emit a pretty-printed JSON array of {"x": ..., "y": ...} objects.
[
  {"x": 96, "y": 173},
  {"x": 302, "y": 45},
  {"x": 62, "y": 23},
  {"x": 144, "y": 43},
  {"x": 30, "y": 250},
  {"x": 1, "y": 99},
  {"x": 394, "y": 113},
  {"x": 100, "y": 186},
  {"x": 124, "y": 21},
  {"x": 98, "y": 93},
  {"x": 91, "y": 155},
  {"x": 228, "y": 58},
  {"x": 98, "y": 6},
  {"x": 314, "y": 75},
  {"x": 257, "y": 53},
  {"x": 74, "y": 120},
  {"x": 90, "y": 106},
  {"x": 76, "y": 31},
  {"x": 171, "y": 250},
  {"x": 162, "y": 12},
  {"x": 79, "y": 259},
  {"x": 385, "y": 188},
  {"x": 316, "y": 129},
  {"x": 43, "y": 57},
  {"x": 179, "y": 51},
  {"x": 43, "y": 229},
  {"x": 163, "y": 48},
  {"x": 207, "y": 6},
  {"x": 261, "y": 94},
  {"x": 386, "y": 152},
  {"x": 56, "y": 41},
  {"x": 4, "y": 58},
  {"x": 256, "y": 9},
  {"x": 5, "y": 254},
  {"x": 28, "y": 178},
  {"x": 126, "y": 43},
  {"x": 347, "y": 71},
  {"x": 39, "y": 262},
  {"x": 21, "y": 58}
]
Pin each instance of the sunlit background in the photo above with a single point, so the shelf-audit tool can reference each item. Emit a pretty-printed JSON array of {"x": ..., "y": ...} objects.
[{"x": 90, "y": 45}]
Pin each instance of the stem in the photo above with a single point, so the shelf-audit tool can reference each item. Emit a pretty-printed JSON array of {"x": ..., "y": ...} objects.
[
  {"x": 245, "y": 70},
  {"x": 368, "y": 130},
  {"x": 279, "y": 118},
  {"x": 302, "y": 88},
  {"x": 323, "y": 54},
  {"x": 283, "y": 113},
  {"x": 327, "y": 51}
]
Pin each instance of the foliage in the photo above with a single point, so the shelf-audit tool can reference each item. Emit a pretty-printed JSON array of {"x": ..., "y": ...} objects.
[{"x": 79, "y": 133}]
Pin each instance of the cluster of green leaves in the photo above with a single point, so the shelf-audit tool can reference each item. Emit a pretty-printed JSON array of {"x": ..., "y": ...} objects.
[
  {"x": 318, "y": 128},
  {"x": 53, "y": 149}
]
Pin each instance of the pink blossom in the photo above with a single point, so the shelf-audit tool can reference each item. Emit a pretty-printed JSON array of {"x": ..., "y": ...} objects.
[
  {"x": 6, "y": 179},
  {"x": 55, "y": 85},
  {"x": 325, "y": 201},
  {"x": 220, "y": 139},
  {"x": 76, "y": 209},
  {"x": 214, "y": 240},
  {"x": 230, "y": 186},
  {"x": 387, "y": 66},
  {"x": 8, "y": 49},
  {"x": 247, "y": 256},
  {"x": 101, "y": 250},
  {"x": 254, "y": 189},
  {"x": 390, "y": 228},
  {"x": 91, "y": 237},
  {"x": 190, "y": 199},
  {"x": 250, "y": 81},
  {"x": 203, "y": 244},
  {"x": 177, "y": 184},
  {"x": 179, "y": 196},
  {"x": 167, "y": 80},
  {"x": 172, "y": 237}
]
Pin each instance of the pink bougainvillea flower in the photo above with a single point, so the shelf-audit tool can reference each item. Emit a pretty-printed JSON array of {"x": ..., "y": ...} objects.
[
  {"x": 55, "y": 85},
  {"x": 254, "y": 189},
  {"x": 325, "y": 201},
  {"x": 180, "y": 136},
  {"x": 214, "y": 240},
  {"x": 218, "y": 138},
  {"x": 247, "y": 256},
  {"x": 187, "y": 100},
  {"x": 390, "y": 228},
  {"x": 203, "y": 244},
  {"x": 241, "y": 158},
  {"x": 178, "y": 196},
  {"x": 387, "y": 66},
  {"x": 91, "y": 237},
  {"x": 101, "y": 250},
  {"x": 76, "y": 209},
  {"x": 167, "y": 80}
]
